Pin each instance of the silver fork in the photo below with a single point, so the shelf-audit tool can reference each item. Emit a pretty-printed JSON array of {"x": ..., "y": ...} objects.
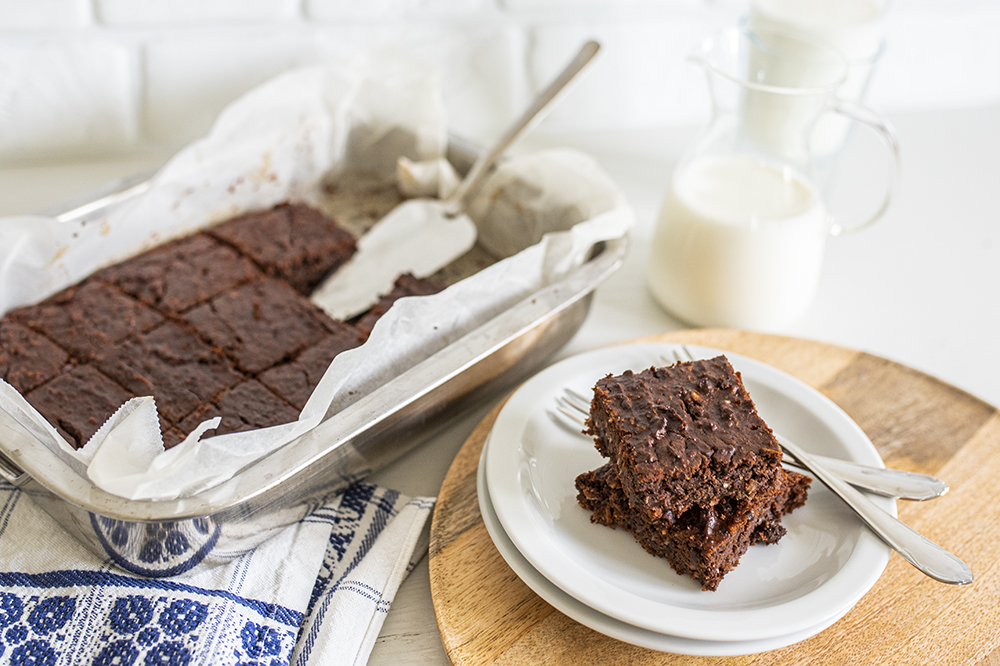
[
  {"x": 886, "y": 482},
  {"x": 915, "y": 548}
]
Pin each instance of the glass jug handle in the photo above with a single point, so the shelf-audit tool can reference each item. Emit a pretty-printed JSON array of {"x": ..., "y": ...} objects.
[{"x": 865, "y": 116}]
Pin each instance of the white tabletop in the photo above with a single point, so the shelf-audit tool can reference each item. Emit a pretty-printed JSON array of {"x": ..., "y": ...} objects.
[{"x": 921, "y": 287}]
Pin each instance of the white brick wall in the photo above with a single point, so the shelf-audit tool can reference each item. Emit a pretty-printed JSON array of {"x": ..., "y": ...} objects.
[{"x": 96, "y": 77}]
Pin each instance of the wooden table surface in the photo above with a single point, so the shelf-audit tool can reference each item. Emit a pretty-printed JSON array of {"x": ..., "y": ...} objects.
[{"x": 487, "y": 615}]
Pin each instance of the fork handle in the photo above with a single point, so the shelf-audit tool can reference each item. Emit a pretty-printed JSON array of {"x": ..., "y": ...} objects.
[
  {"x": 883, "y": 481},
  {"x": 914, "y": 547}
]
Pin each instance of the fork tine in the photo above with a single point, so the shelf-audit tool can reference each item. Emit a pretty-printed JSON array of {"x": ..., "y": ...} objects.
[
  {"x": 580, "y": 401},
  {"x": 678, "y": 357},
  {"x": 570, "y": 413}
]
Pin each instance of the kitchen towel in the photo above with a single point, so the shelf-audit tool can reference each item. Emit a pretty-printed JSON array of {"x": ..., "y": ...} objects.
[{"x": 316, "y": 593}]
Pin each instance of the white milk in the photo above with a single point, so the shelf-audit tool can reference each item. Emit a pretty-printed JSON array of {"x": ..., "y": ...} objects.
[
  {"x": 854, "y": 27},
  {"x": 739, "y": 243}
]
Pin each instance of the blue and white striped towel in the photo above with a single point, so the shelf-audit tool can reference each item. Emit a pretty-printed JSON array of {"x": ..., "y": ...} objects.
[{"x": 316, "y": 593}]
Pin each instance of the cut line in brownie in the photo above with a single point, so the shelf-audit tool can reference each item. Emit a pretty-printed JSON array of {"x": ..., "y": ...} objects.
[
  {"x": 27, "y": 358},
  {"x": 78, "y": 402},
  {"x": 683, "y": 435},
  {"x": 261, "y": 324},
  {"x": 88, "y": 317},
  {"x": 180, "y": 274},
  {"x": 246, "y": 406},
  {"x": 171, "y": 364},
  {"x": 405, "y": 285},
  {"x": 296, "y": 380},
  {"x": 293, "y": 242},
  {"x": 704, "y": 543}
]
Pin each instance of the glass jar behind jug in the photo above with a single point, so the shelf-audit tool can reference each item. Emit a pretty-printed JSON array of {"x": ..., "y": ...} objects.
[{"x": 740, "y": 238}]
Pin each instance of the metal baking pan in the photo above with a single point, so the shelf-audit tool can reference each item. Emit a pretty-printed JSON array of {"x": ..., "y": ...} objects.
[{"x": 167, "y": 537}]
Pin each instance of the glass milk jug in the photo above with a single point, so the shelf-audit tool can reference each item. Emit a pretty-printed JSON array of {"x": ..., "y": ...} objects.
[{"x": 740, "y": 238}]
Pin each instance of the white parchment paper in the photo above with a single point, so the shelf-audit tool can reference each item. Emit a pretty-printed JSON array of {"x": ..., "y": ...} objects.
[{"x": 279, "y": 142}]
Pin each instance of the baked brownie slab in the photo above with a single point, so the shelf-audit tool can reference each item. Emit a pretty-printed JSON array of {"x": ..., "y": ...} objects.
[
  {"x": 27, "y": 358},
  {"x": 293, "y": 242},
  {"x": 88, "y": 317},
  {"x": 295, "y": 381},
  {"x": 263, "y": 323},
  {"x": 682, "y": 436},
  {"x": 704, "y": 543},
  {"x": 180, "y": 274},
  {"x": 78, "y": 402},
  {"x": 171, "y": 364},
  {"x": 247, "y": 406}
]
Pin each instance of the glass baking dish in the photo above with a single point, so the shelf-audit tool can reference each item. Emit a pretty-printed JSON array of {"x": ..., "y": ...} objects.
[{"x": 160, "y": 538}]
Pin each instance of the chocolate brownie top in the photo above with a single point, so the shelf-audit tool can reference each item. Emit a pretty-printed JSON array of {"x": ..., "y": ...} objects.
[
  {"x": 78, "y": 402},
  {"x": 292, "y": 242},
  {"x": 260, "y": 324},
  {"x": 246, "y": 406},
  {"x": 680, "y": 416},
  {"x": 27, "y": 358},
  {"x": 88, "y": 317},
  {"x": 171, "y": 364},
  {"x": 180, "y": 274},
  {"x": 296, "y": 380}
]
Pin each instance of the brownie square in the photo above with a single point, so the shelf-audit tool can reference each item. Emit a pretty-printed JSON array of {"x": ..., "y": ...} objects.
[
  {"x": 27, "y": 358},
  {"x": 78, "y": 402},
  {"x": 88, "y": 317},
  {"x": 682, "y": 436},
  {"x": 704, "y": 543},
  {"x": 261, "y": 324},
  {"x": 247, "y": 406},
  {"x": 296, "y": 380},
  {"x": 171, "y": 364},
  {"x": 172, "y": 436},
  {"x": 405, "y": 285},
  {"x": 293, "y": 242},
  {"x": 180, "y": 274}
]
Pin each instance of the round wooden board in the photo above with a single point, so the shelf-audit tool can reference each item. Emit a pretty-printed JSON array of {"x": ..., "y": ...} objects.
[{"x": 487, "y": 615}]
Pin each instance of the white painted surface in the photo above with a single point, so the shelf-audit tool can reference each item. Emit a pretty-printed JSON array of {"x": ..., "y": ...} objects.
[{"x": 179, "y": 63}]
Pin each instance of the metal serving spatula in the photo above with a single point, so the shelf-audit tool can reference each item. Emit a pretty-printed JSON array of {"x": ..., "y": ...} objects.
[{"x": 422, "y": 235}]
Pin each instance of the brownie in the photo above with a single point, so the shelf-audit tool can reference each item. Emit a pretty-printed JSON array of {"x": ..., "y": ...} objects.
[
  {"x": 292, "y": 242},
  {"x": 295, "y": 381},
  {"x": 261, "y": 324},
  {"x": 704, "y": 543},
  {"x": 27, "y": 358},
  {"x": 180, "y": 274},
  {"x": 198, "y": 323},
  {"x": 78, "y": 402},
  {"x": 405, "y": 285},
  {"x": 172, "y": 436},
  {"x": 88, "y": 317},
  {"x": 247, "y": 406},
  {"x": 171, "y": 364},
  {"x": 683, "y": 435}
]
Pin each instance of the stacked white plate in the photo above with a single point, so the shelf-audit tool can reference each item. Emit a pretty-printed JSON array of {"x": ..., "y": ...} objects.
[{"x": 778, "y": 595}]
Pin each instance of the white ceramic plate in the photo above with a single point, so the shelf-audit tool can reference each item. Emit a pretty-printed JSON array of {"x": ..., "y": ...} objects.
[
  {"x": 814, "y": 575},
  {"x": 609, "y": 626}
]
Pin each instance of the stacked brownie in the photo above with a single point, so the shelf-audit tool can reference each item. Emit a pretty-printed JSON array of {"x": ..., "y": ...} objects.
[
  {"x": 694, "y": 473},
  {"x": 218, "y": 323}
]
